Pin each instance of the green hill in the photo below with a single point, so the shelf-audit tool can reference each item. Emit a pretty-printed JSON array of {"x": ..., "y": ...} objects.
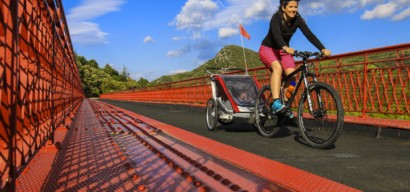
[{"x": 229, "y": 56}]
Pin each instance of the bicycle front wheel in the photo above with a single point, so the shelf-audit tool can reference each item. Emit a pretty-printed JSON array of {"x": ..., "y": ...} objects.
[
  {"x": 320, "y": 115},
  {"x": 266, "y": 123}
]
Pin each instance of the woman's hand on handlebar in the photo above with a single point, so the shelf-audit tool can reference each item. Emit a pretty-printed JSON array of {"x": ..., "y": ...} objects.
[
  {"x": 288, "y": 50},
  {"x": 326, "y": 52}
]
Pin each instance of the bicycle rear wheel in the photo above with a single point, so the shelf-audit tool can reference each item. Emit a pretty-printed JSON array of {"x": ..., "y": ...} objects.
[
  {"x": 266, "y": 123},
  {"x": 321, "y": 126}
]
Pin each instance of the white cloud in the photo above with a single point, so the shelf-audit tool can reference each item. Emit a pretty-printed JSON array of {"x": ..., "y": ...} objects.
[
  {"x": 240, "y": 12},
  {"x": 259, "y": 9},
  {"x": 370, "y": 9},
  {"x": 380, "y": 11},
  {"x": 194, "y": 13},
  {"x": 402, "y": 15},
  {"x": 316, "y": 5},
  {"x": 174, "y": 53},
  {"x": 369, "y": 2},
  {"x": 87, "y": 33},
  {"x": 148, "y": 39},
  {"x": 196, "y": 35},
  {"x": 348, "y": 3},
  {"x": 197, "y": 15},
  {"x": 90, "y": 9},
  {"x": 326, "y": 6},
  {"x": 227, "y": 32},
  {"x": 178, "y": 38},
  {"x": 82, "y": 29},
  {"x": 179, "y": 52}
]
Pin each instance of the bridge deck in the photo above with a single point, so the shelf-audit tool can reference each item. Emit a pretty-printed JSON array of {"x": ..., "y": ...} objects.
[{"x": 107, "y": 148}]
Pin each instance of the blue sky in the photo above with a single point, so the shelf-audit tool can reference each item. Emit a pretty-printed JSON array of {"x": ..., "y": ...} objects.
[{"x": 162, "y": 37}]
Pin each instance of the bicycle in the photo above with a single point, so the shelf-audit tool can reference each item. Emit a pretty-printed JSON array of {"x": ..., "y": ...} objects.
[{"x": 320, "y": 114}]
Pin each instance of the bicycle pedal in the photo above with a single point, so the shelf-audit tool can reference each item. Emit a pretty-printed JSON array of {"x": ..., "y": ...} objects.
[
  {"x": 284, "y": 110},
  {"x": 279, "y": 112},
  {"x": 289, "y": 114}
]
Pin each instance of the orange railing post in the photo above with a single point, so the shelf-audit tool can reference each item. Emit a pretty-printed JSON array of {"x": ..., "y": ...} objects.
[{"x": 364, "y": 93}]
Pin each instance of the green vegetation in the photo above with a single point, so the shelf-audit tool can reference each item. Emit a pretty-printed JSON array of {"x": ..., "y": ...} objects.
[
  {"x": 380, "y": 115},
  {"x": 96, "y": 81}
]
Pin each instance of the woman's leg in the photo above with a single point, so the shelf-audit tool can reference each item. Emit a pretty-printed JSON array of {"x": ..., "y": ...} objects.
[
  {"x": 275, "y": 79},
  {"x": 270, "y": 58},
  {"x": 287, "y": 72},
  {"x": 288, "y": 64},
  {"x": 275, "y": 82}
]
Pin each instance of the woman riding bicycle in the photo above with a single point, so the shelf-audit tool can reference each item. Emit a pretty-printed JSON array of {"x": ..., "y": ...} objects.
[{"x": 275, "y": 52}]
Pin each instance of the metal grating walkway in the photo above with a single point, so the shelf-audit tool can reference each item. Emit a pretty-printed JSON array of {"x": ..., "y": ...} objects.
[
  {"x": 87, "y": 161},
  {"x": 109, "y": 149}
]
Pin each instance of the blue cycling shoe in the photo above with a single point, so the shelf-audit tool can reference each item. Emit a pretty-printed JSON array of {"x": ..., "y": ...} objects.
[{"x": 277, "y": 106}]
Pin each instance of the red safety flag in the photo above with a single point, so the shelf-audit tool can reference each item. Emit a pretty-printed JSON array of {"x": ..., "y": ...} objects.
[{"x": 244, "y": 33}]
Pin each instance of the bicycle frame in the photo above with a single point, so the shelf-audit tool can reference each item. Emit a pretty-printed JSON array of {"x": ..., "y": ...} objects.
[{"x": 304, "y": 70}]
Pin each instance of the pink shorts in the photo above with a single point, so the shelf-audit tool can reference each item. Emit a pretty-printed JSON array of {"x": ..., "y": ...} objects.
[{"x": 269, "y": 55}]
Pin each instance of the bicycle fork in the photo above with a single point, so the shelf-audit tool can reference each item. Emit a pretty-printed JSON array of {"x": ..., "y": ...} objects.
[{"x": 309, "y": 98}]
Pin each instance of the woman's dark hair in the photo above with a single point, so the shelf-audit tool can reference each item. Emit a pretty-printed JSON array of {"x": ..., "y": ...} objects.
[{"x": 284, "y": 3}]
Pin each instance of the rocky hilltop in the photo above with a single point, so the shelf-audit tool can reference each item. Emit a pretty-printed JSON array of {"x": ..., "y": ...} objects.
[{"x": 228, "y": 56}]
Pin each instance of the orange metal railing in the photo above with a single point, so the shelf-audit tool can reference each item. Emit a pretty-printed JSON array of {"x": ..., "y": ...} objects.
[
  {"x": 370, "y": 82},
  {"x": 40, "y": 84}
]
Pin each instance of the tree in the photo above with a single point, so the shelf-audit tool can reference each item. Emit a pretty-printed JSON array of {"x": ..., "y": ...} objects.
[
  {"x": 124, "y": 74},
  {"x": 93, "y": 63},
  {"x": 110, "y": 71},
  {"x": 109, "y": 85},
  {"x": 143, "y": 82},
  {"x": 96, "y": 81},
  {"x": 82, "y": 60}
]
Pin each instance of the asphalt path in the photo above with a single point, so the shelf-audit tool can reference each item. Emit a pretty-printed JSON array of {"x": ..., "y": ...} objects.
[{"x": 358, "y": 159}]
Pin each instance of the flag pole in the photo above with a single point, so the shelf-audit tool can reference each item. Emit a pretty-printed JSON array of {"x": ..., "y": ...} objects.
[{"x": 244, "y": 56}]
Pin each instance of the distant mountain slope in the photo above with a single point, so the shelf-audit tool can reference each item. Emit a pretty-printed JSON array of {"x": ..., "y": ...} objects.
[{"x": 229, "y": 56}]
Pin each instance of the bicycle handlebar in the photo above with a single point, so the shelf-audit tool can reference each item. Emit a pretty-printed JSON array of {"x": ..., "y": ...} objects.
[{"x": 307, "y": 54}]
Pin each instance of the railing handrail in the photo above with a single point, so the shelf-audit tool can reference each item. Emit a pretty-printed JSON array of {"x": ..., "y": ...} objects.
[{"x": 298, "y": 62}]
